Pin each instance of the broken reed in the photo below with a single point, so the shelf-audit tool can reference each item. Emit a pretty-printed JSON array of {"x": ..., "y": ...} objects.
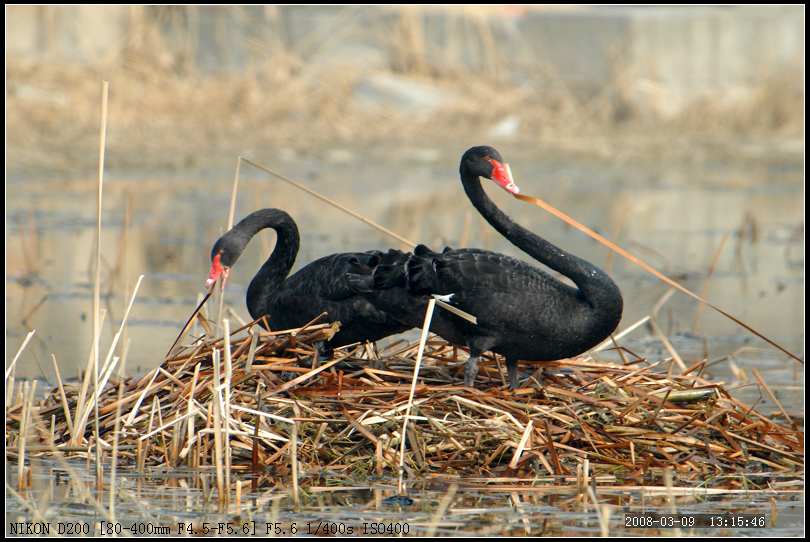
[{"x": 277, "y": 418}]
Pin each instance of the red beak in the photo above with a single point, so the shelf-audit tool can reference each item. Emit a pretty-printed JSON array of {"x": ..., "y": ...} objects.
[
  {"x": 216, "y": 271},
  {"x": 502, "y": 175}
]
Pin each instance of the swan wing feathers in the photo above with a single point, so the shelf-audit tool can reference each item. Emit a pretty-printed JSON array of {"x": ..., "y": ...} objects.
[
  {"x": 391, "y": 271},
  {"x": 337, "y": 277},
  {"x": 459, "y": 270},
  {"x": 338, "y": 284},
  {"x": 293, "y": 309}
]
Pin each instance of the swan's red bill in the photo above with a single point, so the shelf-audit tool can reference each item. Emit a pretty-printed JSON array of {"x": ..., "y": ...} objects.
[
  {"x": 502, "y": 175},
  {"x": 217, "y": 270}
]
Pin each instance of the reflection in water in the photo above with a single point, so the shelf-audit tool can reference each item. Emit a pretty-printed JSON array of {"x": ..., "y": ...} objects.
[{"x": 182, "y": 503}]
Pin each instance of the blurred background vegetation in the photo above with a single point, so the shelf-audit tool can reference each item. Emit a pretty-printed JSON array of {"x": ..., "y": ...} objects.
[
  {"x": 677, "y": 131},
  {"x": 194, "y": 82}
]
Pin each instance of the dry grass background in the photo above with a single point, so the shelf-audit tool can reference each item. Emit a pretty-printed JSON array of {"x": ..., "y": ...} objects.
[{"x": 165, "y": 112}]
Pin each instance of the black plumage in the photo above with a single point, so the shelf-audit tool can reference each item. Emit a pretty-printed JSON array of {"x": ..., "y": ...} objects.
[
  {"x": 340, "y": 284},
  {"x": 523, "y": 312}
]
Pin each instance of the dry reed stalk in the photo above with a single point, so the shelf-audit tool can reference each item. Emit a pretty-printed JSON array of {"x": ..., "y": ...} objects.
[
  {"x": 472, "y": 403},
  {"x": 126, "y": 342},
  {"x": 234, "y": 190},
  {"x": 10, "y": 382},
  {"x": 709, "y": 274},
  {"x": 355, "y": 214},
  {"x": 227, "y": 384},
  {"x": 306, "y": 376},
  {"x": 221, "y": 304},
  {"x": 105, "y": 88},
  {"x": 552, "y": 452},
  {"x": 122, "y": 327},
  {"x": 661, "y": 302},
  {"x": 218, "y": 462},
  {"x": 254, "y": 452},
  {"x": 621, "y": 335},
  {"x": 163, "y": 426},
  {"x": 62, "y": 395},
  {"x": 124, "y": 269},
  {"x": 586, "y": 472},
  {"x": 294, "y": 463},
  {"x": 420, "y": 352},
  {"x": 109, "y": 362},
  {"x": 140, "y": 459},
  {"x": 141, "y": 397},
  {"x": 650, "y": 269},
  {"x": 764, "y": 386},
  {"x": 236, "y": 316},
  {"x": 379, "y": 466},
  {"x": 164, "y": 448},
  {"x": 17, "y": 355},
  {"x": 522, "y": 445},
  {"x": 116, "y": 436},
  {"x": 254, "y": 340},
  {"x": 455, "y": 310},
  {"x": 92, "y": 403},
  {"x": 668, "y": 345},
  {"x": 89, "y": 373},
  {"x": 190, "y": 425},
  {"x": 618, "y": 226},
  {"x": 619, "y": 349},
  {"x": 28, "y": 403}
]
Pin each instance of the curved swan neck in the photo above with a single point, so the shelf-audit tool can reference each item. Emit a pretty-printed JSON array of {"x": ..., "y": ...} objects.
[
  {"x": 594, "y": 284},
  {"x": 274, "y": 271}
]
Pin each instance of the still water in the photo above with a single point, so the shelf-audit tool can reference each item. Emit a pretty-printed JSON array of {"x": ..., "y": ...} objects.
[
  {"x": 179, "y": 503},
  {"x": 731, "y": 229}
]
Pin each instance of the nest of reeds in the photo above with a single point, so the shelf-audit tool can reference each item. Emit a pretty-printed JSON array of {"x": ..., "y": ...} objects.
[{"x": 261, "y": 404}]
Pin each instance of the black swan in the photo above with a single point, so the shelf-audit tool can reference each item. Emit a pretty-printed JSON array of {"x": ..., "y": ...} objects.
[
  {"x": 523, "y": 312},
  {"x": 340, "y": 284}
]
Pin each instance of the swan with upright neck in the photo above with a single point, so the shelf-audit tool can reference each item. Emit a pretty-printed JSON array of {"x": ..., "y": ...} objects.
[{"x": 522, "y": 311}]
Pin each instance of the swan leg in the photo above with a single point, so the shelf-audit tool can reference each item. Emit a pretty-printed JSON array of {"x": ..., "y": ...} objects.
[
  {"x": 540, "y": 376},
  {"x": 323, "y": 351},
  {"x": 319, "y": 355},
  {"x": 512, "y": 371},
  {"x": 471, "y": 370}
]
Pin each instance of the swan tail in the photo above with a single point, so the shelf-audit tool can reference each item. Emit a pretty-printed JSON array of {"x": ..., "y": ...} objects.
[
  {"x": 415, "y": 271},
  {"x": 390, "y": 271},
  {"x": 420, "y": 270},
  {"x": 387, "y": 276}
]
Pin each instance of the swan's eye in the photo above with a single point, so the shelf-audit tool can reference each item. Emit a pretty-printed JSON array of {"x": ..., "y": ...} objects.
[{"x": 502, "y": 175}]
